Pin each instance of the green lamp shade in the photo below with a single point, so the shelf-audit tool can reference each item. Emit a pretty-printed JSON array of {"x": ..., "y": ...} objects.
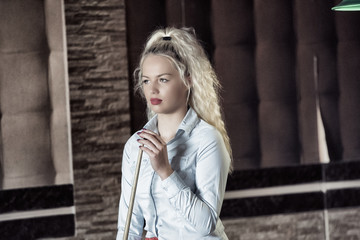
[{"x": 348, "y": 5}]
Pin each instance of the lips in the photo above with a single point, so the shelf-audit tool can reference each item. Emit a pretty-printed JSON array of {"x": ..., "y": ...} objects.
[{"x": 155, "y": 101}]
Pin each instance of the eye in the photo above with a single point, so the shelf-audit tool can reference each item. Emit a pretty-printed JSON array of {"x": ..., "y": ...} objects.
[
  {"x": 163, "y": 80},
  {"x": 145, "y": 81}
]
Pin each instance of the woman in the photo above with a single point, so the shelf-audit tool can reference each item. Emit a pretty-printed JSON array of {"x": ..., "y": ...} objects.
[{"x": 187, "y": 154}]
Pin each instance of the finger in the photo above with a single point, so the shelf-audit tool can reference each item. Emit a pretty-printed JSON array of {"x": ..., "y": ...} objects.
[
  {"x": 157, "y": 136},
  {"x": 153, "y": 138},
  {"x": 145, "y": 131},
  {"x": 149, "y": 145},
  {"x": 150, "y": 153}
]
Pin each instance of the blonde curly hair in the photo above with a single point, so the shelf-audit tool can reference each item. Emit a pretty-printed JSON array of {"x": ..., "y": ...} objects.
[{"x": 182, "y": 47}]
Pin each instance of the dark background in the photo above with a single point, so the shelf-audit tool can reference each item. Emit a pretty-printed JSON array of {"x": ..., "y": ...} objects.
[{"x": 264, "y": 52}]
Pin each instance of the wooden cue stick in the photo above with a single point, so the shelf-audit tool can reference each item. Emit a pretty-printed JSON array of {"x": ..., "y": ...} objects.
[{"x": 132, "y": 196}]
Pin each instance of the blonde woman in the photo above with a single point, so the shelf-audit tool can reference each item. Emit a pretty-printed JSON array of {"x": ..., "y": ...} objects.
[{"x": 187, "y": 154}]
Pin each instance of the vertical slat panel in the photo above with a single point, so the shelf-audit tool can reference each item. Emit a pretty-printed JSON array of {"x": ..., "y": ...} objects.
[
  {"x": 195, "y": 14},
  {"x": 276, "y": 83},
  {"x": 348, "y": 51},
  {"x": 234, "y": 61},
  {"x": 142, "y": 17},
  {"x": 25, "y": 122},
  {"x": 316, "y": 37}
]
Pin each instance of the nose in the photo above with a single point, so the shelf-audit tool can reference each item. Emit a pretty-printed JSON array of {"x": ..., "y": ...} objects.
[{"x": 154, "y": 88}]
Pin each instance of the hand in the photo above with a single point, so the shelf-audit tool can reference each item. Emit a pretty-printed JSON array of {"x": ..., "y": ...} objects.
[{"x": 155, "y": 147}]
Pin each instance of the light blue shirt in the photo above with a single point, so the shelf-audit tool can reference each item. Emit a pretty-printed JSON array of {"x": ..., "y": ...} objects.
[{"x": 187, "y": 204}]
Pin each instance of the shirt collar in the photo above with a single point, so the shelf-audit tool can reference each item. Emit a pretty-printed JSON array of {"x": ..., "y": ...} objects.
[
  {"x": 152, "y": 124},
  {"x": 187, "y": 124}
]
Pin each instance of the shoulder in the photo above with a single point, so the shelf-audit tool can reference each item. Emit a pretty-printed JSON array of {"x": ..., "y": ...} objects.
[
  {"x": 131, "y": 141},
  {"x": 204, "y": 129},
  {"x": 130, "y": 145},
  {"x": 211, "y": 146},
  {"x": 206, "y": 134}
]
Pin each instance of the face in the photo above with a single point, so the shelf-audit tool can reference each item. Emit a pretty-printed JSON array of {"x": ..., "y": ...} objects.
[{"x": 163, "y": 88}]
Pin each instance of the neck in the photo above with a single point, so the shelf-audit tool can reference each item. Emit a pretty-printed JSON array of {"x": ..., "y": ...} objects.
[{"x": 169, "y": 123}]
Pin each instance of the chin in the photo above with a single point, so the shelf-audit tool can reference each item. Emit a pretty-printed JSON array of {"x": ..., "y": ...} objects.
[{"x": 156, "y": 109}]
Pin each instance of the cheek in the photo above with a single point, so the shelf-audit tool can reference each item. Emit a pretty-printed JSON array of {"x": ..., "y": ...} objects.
[
  {"x": 180, "y": 94},
  {"x": 145, "y": 91}
]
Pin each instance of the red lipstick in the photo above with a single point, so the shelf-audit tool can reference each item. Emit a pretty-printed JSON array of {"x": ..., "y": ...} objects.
[{"x": 155, "y": 101}]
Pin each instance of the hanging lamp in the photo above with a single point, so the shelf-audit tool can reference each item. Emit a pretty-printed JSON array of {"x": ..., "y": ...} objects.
[{"x": 348, "y": 5}]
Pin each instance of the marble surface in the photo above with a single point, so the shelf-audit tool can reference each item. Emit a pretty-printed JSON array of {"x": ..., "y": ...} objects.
[
  {"x": 267, "y": 205},
  {"x": 36, "y": 198},
  {"x": 338, "y": 171},
  {"x": 290, "y": 175},
  {"x": 35, "y": 228},
  {"x": 277, "y": 176},
  {"x": 339, "y": 198}
]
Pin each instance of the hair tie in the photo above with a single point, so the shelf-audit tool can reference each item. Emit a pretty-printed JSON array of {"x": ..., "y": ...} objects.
[{"x": 166, "y": 38}]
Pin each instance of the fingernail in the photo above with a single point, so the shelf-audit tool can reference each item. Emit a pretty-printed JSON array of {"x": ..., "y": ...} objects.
[{"x": 138, "y": 133}]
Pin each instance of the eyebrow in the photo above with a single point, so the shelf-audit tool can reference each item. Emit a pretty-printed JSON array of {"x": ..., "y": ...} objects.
[{"x": 160, "y": 75}]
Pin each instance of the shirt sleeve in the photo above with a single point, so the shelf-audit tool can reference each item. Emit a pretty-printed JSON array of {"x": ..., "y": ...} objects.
[
  {"x": 137, "y": 220},
  {"x": 202, "y": 209}
]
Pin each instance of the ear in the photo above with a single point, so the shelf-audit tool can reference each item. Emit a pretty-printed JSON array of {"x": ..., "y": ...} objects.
[{"x": 189, "y": 80}]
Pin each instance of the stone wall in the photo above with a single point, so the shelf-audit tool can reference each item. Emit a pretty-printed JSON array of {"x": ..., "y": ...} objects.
[
  {"x": 308, "y": 225},
  {"x": 98, "y": 76}
]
